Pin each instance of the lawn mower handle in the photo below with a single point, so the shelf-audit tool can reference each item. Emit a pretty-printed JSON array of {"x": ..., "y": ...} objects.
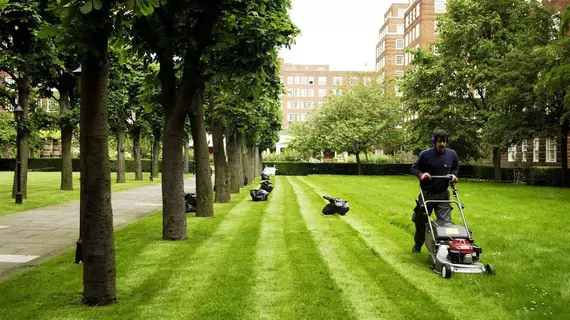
[{"x": 328, "y": 198}]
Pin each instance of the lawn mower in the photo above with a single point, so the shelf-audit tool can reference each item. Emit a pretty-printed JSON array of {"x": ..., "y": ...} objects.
[{"x": 451, "y": 247}]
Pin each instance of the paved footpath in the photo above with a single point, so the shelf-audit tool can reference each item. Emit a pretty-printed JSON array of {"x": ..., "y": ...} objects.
[{"x": 27, "y": 238}]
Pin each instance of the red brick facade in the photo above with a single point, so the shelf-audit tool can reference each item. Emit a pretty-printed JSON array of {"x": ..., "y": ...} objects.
[{"x": 307, "y": 87}]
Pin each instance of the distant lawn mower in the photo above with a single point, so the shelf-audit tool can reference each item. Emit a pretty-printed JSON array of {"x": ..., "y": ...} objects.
[{"x": 451, "y": 247}]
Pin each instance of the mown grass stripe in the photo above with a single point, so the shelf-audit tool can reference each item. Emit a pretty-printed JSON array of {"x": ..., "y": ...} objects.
[
  {"x": 387, "y": 241},
  {"x": 292, "y": 280},
  {"x": 349, "y": 265},
  {"x": 215, "y": 280}
]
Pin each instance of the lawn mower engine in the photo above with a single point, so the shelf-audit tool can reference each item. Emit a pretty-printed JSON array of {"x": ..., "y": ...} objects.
[{"x": 462, "y": 251}]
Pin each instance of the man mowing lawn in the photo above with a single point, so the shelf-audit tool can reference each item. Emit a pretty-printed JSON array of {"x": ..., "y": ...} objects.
[{"x": 440, "y": 161}]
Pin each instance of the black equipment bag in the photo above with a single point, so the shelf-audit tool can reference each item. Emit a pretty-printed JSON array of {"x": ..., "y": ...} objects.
[
  {"x": 336, "y": 205},
  {"x": 258, "y": 194},
  {"x": 267, "y": 186},
  {"x": 190, "y": 202}
]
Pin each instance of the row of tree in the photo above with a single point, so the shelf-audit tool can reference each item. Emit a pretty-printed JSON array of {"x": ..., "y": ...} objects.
[
  {"x": 150, "y": 66},
  {"x": 499, "y": 76}
]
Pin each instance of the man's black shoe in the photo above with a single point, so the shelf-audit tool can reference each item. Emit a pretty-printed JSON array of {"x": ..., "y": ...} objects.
[{"x": 416, "y": 249}]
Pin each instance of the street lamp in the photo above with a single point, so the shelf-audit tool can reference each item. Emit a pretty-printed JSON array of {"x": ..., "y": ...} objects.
[
  {"x": 78, "y": 244},
  {"x": 19, "y": 114},
  {"x": 151, "y": 156}
]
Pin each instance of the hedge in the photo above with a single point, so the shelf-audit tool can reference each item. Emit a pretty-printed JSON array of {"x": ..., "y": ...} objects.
[
  {"x": 54, "y": 164},
  {"x": 544, "y": 176}
]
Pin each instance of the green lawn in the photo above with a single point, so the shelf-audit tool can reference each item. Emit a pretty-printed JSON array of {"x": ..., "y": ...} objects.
[
  {"x": 283, "y": 259},
  {"x": 43, "y": 189}
]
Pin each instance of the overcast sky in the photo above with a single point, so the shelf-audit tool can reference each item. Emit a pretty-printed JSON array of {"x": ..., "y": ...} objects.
[{"x": 340, "y": 33}]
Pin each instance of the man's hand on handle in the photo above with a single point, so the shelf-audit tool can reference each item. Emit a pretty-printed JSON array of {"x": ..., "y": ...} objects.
[
  {"x": 424, "y": 176},
  {"x": 454, "y": 179}
]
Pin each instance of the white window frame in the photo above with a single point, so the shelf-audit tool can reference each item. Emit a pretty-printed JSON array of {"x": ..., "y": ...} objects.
[
  {"x": 337, "y": 81},
  {"x": 311, "y": 80},
  {"x": 290, "y": 80},
  {"x": 550, "y": 150},
  {"x": 303, "y": 92},
  {"x": 337, "y": 92},
  {"x": 289, "y": 104},
  {"x": 289, "y": 116},
  {"x": 524, "y": 148},
  {"x": 320, "y": 104},
  {"x": 310, "y": 105},
  {"x": 304, "y": 80},
  {"x": 400, "y": 28},
  {"x": 512, "y": 153},
  {"x": 401, "y": 44},
  {"x": 536, "y": 150},
  {"x": 399, "y": 59},
  {"x": 311, "y": 92},
  {"x": 440, "y": 6},
  {"x": 399, "y": 73},
  {"x": 297, "y": 80},
  {"x": 322, "y": 81},
  {"x": 322, "y": 92}
]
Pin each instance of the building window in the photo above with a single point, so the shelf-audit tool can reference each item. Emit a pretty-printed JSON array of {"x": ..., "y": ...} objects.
[
  {"x": 303, "y": 104},
  {"x": 401, "y": 13},
  {"x": 303, "y": 80},
  {"x": 289, "y": 104},
  {"x": 322, "y": 92},
  {"x": 550, "y": 150},
  {"x": 296, "y": 92},
  {"x": 397, "y": 91},
  {"x": 400, "y": 44},
  {"x": 337, "y": 92},
  {"x": 535, "y": 149},
  {"x": 377, "y": 66},
  {"x": 418, "y": 10},
  {"x": 311, "y": 92},
  {"x": 311, "y": 80},
  {"x": 367, "y": 80},
  {"x": 310, "y": 104},
  {"x": 435, "y": 50},
  {"x": 297, "y": 80},
  {"x": 289, "y": 80},
  {"x": 512, "y": 155},
  {"x": 337, "y": 81},
  {"x": 303, "y": 92},
  {"x": 440, "y": 6},
  {"x": 296, "y": 104},
  {"x": 320, "y": 104},
  {"x": 400, "y": 28},
  {"x": 523, "y": 150},
  {"x": 399, "y": 59},
  {"x": 289, "y": 92},
  {"x": 322, "y": 81},
  {"x": 399, "y": 73},
  {"x": 353, "y": 80},
  {"x": 296, "y": 117},
  {"x": 289, "y": 117},
  {"x": 417, "y": 30},
  {"x": 303, "y": 117}
]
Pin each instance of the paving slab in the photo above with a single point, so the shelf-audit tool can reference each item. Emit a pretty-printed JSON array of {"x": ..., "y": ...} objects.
[{"x": 30, "y": 237}]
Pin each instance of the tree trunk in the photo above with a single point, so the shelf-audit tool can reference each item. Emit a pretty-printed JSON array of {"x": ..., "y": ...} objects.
[
  {"x": 564, "y": 130},
  {"x": 137, "y": 152},
  {"x": 222, "y": 176},
  {"x": 23, "y": 101},
  {"x": 245, "y": 162},
  {"x": 260, "y": 162},
  {"x": 240, "y": 151},
  {"x": 251, "y": 164},
  {"x": 204, "y": 196},
  {"x": 173, "y": 212},
  {"x": 359, "y": 169},
  {"x": 121, "y": 156},
  {"x": 96, "y": 213},
  {"x": 186, "y": 156},
  {"x": 155, "y": 152},
  {"x": 366, "y": 156},
  {"x": 257, "y": 162},
  {"x": 233, "y": 163},
  {"x": 66, "y": 137},
  {"x": 497, "y": 164}
]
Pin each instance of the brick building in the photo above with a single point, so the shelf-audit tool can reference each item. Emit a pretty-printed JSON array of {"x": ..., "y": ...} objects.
[
  {"x": 559, "y": 5},
  {"x": 308, "y": 86},
  {"x": 390, "y": 46},
  {"x": 420, "y": 25}
]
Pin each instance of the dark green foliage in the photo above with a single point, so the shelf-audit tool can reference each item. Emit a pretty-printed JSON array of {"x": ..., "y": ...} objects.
[{"x": 54, "y": 164}]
